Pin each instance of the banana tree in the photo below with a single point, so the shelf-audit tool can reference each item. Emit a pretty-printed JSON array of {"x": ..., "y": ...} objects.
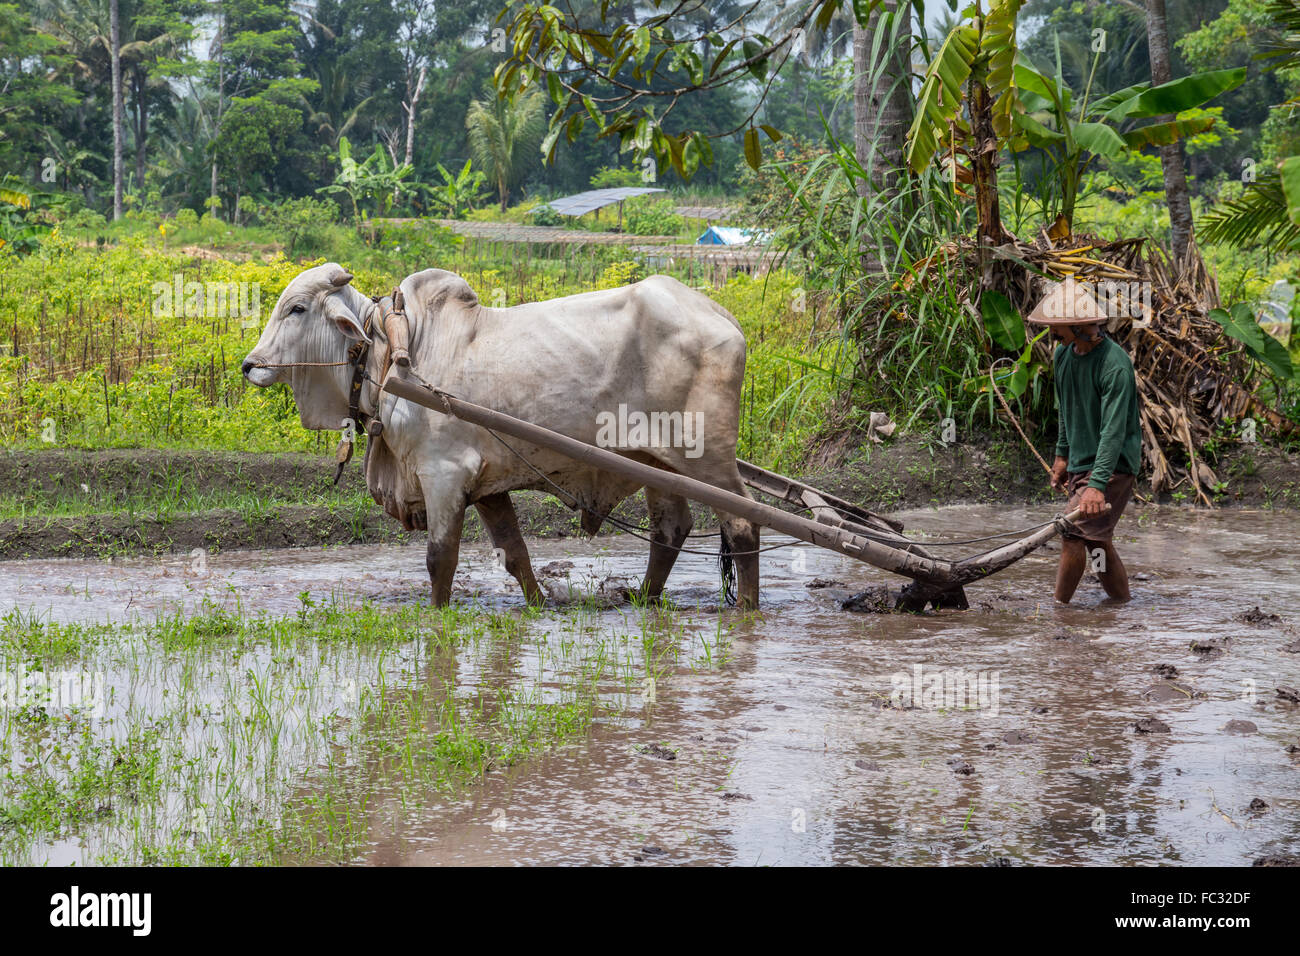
[
  {"x": 980, "y": 95},
  {"x": 1077, "y": 132},
  {"x": 974, "y": 66},
  {"x": 458, "y": 192},
  {"x": 376, "y": 178}
]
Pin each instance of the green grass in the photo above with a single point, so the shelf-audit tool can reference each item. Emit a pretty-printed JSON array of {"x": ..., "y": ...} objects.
[
  {"x": 231, "y": 738},
  {"x": 175, "y": 501}
]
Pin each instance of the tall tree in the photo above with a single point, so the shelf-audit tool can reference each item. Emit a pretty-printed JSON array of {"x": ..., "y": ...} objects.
[
  {"x": 35, "y": 97},
  {"x": 882, "y": 99},
  {"x": 115, "y": 53},
  {"x": 260, "y": 97},
  {"x": 882, "y": 105},
  {"x": 1172, "y": 155},
  {"x": 503, "y": 137}
]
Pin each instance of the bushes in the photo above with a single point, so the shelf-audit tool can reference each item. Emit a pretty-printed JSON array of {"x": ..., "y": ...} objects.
[
  {"x": 649, "y": 216},
  {"x": 544, "y": 215},
  {"x": 301, "y": 222},
  {"x": 100, "y": 364}
]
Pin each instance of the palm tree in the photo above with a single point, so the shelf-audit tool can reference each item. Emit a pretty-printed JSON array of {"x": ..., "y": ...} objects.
[
  {"x": 1172, "y": 155},
  {"x": 1265, "y": 213},
  {"x": 115, "y": 52},
  {"x": 504, "y": 136},
  {"x": 145, "y": 34}
]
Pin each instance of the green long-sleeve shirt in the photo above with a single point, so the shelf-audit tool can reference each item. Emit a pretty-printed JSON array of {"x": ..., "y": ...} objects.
[{"x": 1097, "y": 397}]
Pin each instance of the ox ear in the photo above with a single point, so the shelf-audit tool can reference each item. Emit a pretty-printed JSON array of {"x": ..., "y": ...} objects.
[{"x": 346, "y": 323}]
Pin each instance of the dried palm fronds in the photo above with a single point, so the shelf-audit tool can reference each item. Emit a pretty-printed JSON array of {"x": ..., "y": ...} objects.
[{"x": 1191, "y": 376}]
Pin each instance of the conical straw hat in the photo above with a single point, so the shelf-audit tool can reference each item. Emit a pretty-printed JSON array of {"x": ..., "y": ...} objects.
[{"x": 1068, "y": 303}]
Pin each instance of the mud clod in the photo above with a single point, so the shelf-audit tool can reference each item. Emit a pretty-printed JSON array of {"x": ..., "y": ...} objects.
[
  {"x": 874, "y": 600},
  {"x": 1210, "y": 649},
  {"x": 1277, "y": 859},
  {"x": 1256, "y": 616},
  {"x": 1017, "y": 737},
  {"x": 1257, "y": 806},
  {"x": 556, "y": 569},
  {"x": 1168, "y": 690},
  {"x": 867, "y": 765},
  {"x": 817, "y": 584},
  {"x": 1240, "y": 727},
  {"x": 1289, "y": 694},
  {"x": 1167, "y": 671},
  {"x": 1151, "y": 725},
  {"x": 961, "y": 767},
  {"x": 658, "y": 752}
]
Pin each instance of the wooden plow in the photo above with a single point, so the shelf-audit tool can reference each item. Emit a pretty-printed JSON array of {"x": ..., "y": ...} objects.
[{"x": 836, "y": 524}]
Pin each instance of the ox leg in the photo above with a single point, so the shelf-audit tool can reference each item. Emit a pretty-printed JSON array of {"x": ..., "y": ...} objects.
[
  {"x": 444, "y": 554},
  {"x": 670, "y": 523},
  {"x": 498, "y": 514},
  {"x": 741, "y": 536}
]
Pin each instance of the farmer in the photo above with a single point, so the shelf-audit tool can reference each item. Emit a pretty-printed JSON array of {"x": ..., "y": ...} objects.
[{"x": 1100, "y": 446}]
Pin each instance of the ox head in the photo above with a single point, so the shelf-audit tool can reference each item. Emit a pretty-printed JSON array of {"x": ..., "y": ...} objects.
[{"x": 317, "y": 317}]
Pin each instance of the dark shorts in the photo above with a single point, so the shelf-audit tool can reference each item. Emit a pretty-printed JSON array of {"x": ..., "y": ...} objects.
[{"x": 1099, "y": 527}]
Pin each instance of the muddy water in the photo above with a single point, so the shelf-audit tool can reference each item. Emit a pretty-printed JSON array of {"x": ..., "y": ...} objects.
[{"x": 809, "y": 736}]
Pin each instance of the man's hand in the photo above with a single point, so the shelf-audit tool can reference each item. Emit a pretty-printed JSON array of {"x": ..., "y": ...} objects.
[
  {"x": 1092, "y": 501},
  {"x": 1058, "y": 473}
]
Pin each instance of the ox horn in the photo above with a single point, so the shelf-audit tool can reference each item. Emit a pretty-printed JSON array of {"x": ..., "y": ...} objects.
[{"x": 340, "y": 278}]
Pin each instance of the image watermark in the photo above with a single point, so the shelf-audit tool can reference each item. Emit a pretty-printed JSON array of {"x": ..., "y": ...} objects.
[
  {"x": 52, "y": 692},
  {"x": 947, "y": 689},
  {"x": 210, "y": 300},
  {"x": 637, "y": 429}
]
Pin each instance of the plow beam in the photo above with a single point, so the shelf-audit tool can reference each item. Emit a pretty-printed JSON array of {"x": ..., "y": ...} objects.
[{"x": 933, "y": 577}]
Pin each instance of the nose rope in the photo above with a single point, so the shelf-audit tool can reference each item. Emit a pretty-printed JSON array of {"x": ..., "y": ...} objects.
[{"x": 301, "y": 364}]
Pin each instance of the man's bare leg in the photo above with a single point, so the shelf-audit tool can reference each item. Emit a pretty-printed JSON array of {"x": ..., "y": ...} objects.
[
  {"x": 1074, "y": 560},
  {"x": 1115, "y": 576}
]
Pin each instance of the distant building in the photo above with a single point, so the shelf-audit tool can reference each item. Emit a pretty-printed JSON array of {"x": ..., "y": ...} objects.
[{"x": 732, "y": 236}]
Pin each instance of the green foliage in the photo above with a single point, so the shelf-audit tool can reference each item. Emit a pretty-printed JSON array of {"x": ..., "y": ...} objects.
[
  {"x": 1239, "y": 322},
  {"x": 650, "y": 216},
  {"x": 1075, "y": 132},
  {"x": 374, "y": 181},
  {"x": 981, "y": 49},
  {"x": 457, "y": 193},
  {"x": 1002, "y": 322},
  {"x": 503, "y": 137},
  {"x": 300, "y": 221},
  {"x": 610, "y": 177},
  {"x": 545, "y": 215}
]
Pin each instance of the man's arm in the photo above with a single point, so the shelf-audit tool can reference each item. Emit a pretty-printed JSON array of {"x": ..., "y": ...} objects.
[
  {"x": 1117, "y": 391},
  {"x": 1062, "y": 463}
]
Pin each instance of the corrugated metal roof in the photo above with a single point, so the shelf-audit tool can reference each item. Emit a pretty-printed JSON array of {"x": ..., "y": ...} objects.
[{"x": 593, "y": 199}]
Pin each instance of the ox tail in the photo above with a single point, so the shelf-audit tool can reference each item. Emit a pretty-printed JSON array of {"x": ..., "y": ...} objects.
[{"x": 727, "y": 569}]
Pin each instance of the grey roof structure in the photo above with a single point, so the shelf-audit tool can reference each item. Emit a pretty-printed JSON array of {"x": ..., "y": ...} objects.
[{"x": 580, "y": 203}]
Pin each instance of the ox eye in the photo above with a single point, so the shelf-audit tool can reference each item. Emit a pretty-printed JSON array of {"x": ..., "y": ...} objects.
[{"x": 297, "y": 308}]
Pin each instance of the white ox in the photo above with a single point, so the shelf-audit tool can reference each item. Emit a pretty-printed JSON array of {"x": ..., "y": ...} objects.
[{"x": 573, "y": 365}]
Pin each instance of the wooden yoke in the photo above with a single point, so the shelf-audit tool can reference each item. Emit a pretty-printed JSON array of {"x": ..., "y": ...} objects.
[{"x": 397, "y": 329}]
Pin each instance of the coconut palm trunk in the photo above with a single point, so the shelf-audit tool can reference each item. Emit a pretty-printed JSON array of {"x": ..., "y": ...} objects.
[
  {"x": 882, "y": 107},
  {"x": 115, "y": 57},
  {"x": 1172, "y": 157}
]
